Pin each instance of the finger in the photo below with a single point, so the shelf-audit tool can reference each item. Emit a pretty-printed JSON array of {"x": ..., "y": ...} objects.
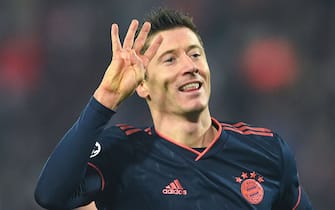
[
  {"x": 126, "y": 56},
  {"x": 138, "y": 66},
  {"x": 142, "y": 36},
  {"x": 129, "y": 39},
  {"x": 116, "y": 44},
  {"x": 151, "y": 51}
]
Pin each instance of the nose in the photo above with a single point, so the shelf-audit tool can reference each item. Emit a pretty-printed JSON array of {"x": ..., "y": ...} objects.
[
  {"x": 189, "y": 66},
  {"x": 195, "y": 70}
]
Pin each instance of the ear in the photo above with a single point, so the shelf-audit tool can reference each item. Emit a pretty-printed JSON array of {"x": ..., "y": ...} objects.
[{"x": 142, "y": 90}]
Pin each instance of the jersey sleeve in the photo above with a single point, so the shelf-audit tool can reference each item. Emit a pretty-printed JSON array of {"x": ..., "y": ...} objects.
[
  {"x": 105, "y": 157},
  {"x": 66, "y": 181},
  {"x": 292, "y": 195}
]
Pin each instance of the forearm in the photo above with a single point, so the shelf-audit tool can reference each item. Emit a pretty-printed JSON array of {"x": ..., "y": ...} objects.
[
  {"x": 106, "y": 97},
  {"x": 65, "y": 169}
]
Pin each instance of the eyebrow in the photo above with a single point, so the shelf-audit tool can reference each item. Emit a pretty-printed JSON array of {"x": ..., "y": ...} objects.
[{"x": 193, "y": 46}]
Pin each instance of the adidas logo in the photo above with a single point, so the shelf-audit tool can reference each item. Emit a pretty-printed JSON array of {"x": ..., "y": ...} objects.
[{"x": 174, "y": 188}]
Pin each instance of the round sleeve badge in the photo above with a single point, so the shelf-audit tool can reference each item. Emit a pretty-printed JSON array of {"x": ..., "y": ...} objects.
[{"x": 96, "y": 150}]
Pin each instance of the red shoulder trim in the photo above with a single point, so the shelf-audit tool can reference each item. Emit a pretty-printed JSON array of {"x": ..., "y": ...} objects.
[
  {"x": 129, "y": 129},
  {"x": 148, "y": 131},
  {"x": 246, "y": 129}
]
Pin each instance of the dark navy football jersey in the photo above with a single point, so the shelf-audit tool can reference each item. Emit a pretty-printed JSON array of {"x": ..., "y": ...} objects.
[{"x": 245, "y": 167}]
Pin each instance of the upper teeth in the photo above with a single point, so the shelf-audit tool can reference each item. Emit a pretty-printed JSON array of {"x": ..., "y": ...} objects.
[{"x": 194, "y": 85}]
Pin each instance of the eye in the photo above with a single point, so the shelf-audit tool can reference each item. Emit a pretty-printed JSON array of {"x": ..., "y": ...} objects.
[
  {"x": 169, "y": 60},
  {"x": 195, "y": 55}
]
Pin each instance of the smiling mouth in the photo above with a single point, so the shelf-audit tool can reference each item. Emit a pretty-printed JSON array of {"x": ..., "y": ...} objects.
[{"x": 190, "y": 87}]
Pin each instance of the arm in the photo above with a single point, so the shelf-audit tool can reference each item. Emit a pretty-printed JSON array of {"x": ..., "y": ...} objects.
[{"x": 65, "y": 181}]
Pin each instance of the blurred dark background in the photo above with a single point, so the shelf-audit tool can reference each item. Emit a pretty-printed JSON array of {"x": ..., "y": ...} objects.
[{"x": 272, "y": 65}]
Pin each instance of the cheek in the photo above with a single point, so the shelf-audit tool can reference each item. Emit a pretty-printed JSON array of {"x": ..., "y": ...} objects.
[
  {"x": 161, "y": 80},
  {"x": 205, "y": 73},
  {"x": 158, "y": 86}
]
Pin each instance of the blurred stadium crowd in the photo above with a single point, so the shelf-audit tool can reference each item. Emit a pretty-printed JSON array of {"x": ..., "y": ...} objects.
[{"x": 272, "y": 62}]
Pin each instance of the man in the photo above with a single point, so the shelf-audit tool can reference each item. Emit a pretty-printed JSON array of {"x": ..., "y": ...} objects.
[{"x": 187, "y": 159}]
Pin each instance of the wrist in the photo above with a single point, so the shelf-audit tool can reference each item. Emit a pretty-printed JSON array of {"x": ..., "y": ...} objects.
[{"x": 107, "y": 98}]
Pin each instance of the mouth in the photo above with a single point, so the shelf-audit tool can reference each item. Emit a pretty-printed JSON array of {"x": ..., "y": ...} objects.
[{"x": 192, "y": 86}]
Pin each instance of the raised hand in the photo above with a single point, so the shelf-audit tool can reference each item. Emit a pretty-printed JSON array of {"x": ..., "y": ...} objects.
[{"x": 127, "y": 68}]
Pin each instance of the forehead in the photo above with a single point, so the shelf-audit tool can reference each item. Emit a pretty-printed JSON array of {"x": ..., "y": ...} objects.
[{"x": 177, "y": 38}]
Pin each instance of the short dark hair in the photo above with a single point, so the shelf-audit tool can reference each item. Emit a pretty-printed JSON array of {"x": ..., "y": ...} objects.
[{"x": 163, "y": 19}]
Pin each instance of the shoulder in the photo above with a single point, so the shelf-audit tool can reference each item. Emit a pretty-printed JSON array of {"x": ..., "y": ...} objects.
[
  {"x": 259, "y": 144},
  {"x": 123, "y": 137},
  {"x": 257, "y": 137},
  {"x": 253, "y": 136},
  {"x": 125, "y": 131},
  {"x": 119, "y": 140}
]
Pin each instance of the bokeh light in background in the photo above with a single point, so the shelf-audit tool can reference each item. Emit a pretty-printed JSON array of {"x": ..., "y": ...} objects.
[
  {"x": 272, "y": 63},
  {"x": 269, "y": 64},
  {"x": 20, "y": 63}
]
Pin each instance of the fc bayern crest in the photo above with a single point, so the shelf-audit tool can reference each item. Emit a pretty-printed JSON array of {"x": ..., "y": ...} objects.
[{"x": 251, "y": 188}]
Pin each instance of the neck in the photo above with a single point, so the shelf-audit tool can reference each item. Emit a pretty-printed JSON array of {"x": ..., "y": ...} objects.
[{"x": 195, "y": 131}]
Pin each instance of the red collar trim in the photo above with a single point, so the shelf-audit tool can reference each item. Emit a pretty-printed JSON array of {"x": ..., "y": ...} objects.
[{"x": 215, "y": 123}]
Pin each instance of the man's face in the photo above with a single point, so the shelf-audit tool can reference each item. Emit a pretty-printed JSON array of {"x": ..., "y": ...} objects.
[{"x": 178, "y": 77}]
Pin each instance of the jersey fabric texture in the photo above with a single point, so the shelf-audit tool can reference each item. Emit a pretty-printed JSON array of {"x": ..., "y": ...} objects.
[{"x": 125, "y": 167}]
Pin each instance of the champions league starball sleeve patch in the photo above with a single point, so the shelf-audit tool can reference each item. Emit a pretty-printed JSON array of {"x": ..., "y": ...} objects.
[{"x": 96, "y": 150}]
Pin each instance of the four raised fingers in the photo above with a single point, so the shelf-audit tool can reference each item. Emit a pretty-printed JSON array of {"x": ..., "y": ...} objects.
[{"x": 136, "y": 45}]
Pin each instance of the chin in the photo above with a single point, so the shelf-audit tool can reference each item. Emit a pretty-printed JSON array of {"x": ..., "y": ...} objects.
[{"x": 198, "y": 108}]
